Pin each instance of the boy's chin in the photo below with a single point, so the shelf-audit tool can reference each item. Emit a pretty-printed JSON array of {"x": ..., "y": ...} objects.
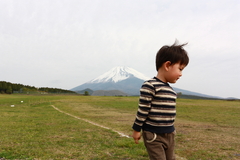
[{"x": 173, "y": 81}]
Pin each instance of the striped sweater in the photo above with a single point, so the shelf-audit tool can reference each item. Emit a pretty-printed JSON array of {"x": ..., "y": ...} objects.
[{"x": 156, "y": 112}]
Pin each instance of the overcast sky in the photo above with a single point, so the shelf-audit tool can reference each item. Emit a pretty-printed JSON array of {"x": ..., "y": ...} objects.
[{"x": 65, "y": 43}]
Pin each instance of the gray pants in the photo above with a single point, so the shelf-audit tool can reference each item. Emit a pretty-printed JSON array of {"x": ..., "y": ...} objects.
[{"x": 159, "y": 146}]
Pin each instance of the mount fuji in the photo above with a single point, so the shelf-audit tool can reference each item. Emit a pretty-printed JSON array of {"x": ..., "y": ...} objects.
[
  {"x": 124, "y": 79},
  {"x": 119, "y": 74}
]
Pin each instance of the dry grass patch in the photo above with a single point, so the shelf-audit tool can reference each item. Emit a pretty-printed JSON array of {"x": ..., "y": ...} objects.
[{"x": 208, "y": 129}]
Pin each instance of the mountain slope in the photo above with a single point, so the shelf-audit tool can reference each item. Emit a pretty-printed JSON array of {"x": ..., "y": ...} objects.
[
  {"x": 130, "y": 86},
  {"x": 124, "y": 79},
  {"x": 190, "y": 93},
  {"x": 108, "y": 93},
  {"x": 127, "y": 80}
]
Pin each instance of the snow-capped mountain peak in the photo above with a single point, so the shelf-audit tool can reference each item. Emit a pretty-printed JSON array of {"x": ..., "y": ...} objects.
[{"x": 118, "y": 74}]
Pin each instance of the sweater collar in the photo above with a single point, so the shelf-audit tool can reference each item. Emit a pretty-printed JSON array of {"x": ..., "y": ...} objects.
[{"x": 161, "y": 81}]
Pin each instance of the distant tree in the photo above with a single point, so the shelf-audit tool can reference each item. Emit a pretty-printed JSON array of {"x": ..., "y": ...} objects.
[
  {"x": 1, "y": 88},
  {"x": 9, "y": 90},
  {"x": 179, "y": 94},
  {"x": 86, "y": 93},
  {"x": 4, "y": 86}
]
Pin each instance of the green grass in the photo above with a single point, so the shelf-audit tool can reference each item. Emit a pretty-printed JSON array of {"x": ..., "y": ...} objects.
[
  {"x": 34, "y": 130},
  {"x": 206, "y": 129},
  {"x": 219, "y": 112}
]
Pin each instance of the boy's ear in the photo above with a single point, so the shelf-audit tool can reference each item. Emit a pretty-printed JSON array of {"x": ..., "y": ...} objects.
[{"x": 167, "y": 65}]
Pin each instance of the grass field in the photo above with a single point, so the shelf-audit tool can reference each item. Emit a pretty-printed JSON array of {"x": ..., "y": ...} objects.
[{"x": 206, "y": 129}]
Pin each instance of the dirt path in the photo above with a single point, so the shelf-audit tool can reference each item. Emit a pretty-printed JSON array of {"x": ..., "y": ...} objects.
[{"x": 93, "y": 123}]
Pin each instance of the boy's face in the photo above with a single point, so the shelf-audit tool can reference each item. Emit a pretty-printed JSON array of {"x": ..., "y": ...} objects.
[{"x": 174, "y": 72}]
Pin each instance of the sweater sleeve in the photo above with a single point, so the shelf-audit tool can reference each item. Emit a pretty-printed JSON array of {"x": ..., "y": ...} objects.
[{"x": 147, "y": 93}]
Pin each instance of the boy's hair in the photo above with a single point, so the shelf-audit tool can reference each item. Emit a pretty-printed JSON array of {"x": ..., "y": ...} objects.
[{"x": 174, "y": 53}]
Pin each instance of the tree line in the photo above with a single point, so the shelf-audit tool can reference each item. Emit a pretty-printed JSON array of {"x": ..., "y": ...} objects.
[{"x": 9, "y": 88}]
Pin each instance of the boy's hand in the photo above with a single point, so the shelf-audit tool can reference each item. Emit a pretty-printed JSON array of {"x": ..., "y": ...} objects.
[{"x": 136, "y": 136}]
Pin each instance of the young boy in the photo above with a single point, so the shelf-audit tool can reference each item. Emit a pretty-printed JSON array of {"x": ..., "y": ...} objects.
[{"x": 156, "y": 112}]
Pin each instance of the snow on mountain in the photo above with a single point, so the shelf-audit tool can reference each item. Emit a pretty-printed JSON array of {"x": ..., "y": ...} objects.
[{"x": 118, "y": 74}]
